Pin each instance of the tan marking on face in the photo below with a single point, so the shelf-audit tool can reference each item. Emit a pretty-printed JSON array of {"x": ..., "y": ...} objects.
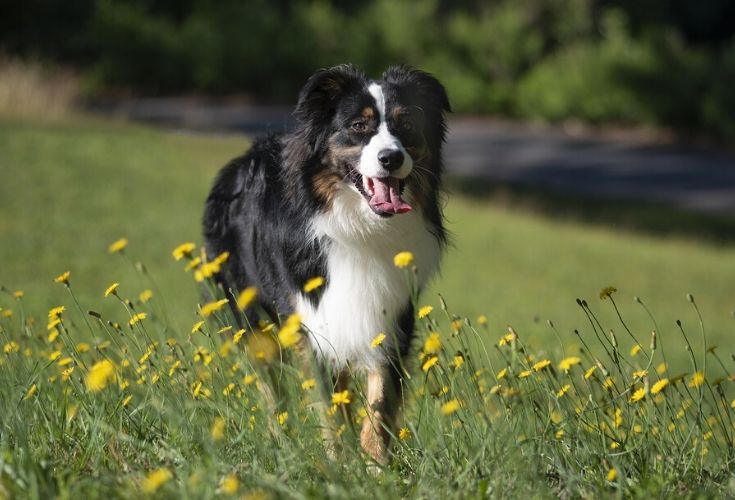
[
  {"x": 397, "y": 112},
  {"x": 368, "y": 113}
]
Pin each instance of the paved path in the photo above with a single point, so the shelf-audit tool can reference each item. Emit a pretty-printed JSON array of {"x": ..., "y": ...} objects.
[{"x": 591, "y": 166}]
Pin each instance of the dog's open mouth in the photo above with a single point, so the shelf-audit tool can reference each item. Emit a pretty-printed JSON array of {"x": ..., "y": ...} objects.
[{"x": 383, "y": 194}]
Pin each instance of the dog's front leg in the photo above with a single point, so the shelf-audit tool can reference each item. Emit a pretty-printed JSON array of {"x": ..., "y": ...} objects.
[{"x": 383, "y": 389}]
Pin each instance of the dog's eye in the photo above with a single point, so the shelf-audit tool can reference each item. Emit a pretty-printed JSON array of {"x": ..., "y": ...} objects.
[
  {"x": 358, "y": 126},
  {"x": 407, "y": 126}
]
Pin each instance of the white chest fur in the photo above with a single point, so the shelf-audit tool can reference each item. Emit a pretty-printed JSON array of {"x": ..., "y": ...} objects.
[{"x": 366, "y": 293}]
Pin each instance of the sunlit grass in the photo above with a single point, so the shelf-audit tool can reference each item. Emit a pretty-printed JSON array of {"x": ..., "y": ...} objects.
[
  {"x": 152, "y": 392},
  {"x": 213, "y": 408}
]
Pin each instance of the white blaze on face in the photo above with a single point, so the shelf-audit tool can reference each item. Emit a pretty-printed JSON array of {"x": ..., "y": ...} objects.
[{"x": 369, "y": 165}]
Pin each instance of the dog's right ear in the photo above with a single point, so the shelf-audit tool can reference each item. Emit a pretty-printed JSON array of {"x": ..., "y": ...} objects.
[{"x": 319, "y": 97}]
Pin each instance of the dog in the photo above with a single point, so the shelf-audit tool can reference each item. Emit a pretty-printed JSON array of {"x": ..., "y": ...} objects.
[{"x": 357, "y": 181}]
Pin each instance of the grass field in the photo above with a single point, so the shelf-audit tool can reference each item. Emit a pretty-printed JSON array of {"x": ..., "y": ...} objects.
[{"x": 71, "y": 188}]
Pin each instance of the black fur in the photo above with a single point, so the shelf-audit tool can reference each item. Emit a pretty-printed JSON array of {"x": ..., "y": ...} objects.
[{"x": 261, "y": 203}]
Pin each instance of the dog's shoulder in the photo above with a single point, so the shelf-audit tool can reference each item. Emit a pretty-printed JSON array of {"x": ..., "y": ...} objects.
[{"x": 251, "y": 172}]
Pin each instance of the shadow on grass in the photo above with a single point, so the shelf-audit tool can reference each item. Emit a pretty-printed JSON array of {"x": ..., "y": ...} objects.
[{"x": 650, "y": 218}]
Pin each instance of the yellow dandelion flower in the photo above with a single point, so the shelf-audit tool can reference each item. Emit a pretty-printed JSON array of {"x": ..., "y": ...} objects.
[
  {"x": 127, "y": 400},
  {"x": 118, "y": 246},
  {"x": 696, "y": 380},
  {"x": 63, "y": 278},
  {"x": 54, "y": 355},
  {"x": 502, "y": 373},
  {"x": 635, "y": 350},
  {"x": 212, "y": 307},
  {"x": 638, "y": 395},
  {"x": 145, "y": 296},
  {"x": 640, "y": 373},
  {"x": 230, "y": 485},
  {"x": 430, "y": 361},
  {"x": 482, "y": 320},
  {"x": 607, "y": 292},
  {"x": 341, "y": 398},
  {"x": 378, "y": 340},
  {"x": 112, "y": 289},
  {"x": 197, "y": 327},
  {"x": 137, "y": 318},
  {"x": 7, "y": 313},
  {"x": 32, "y": 390},
  {"x": 52, "y": 335},
  {"x": 456, "y": 325},
  {"x": 618, "y": 420},
  {"x": 659, "y": 386},
  {"x": 156, "y": 479},
  {"x": 282, "y": 418},
  {"x": 217, "y": 431},
  {"x": 403, "y": 259},
  {"x": 100, "y": 375},
  {"x": 567, "y": 363},
  {"x": 308, "y": 384},
  {"x": 433, "y": 343},
  {"x": 537, "y": 367},
  {"x": 249, "y": 379},
  {"x": 450, "y": 407},
  {"x": 65, "y": 361},
  {"x": 289, "y": 334},
  {"x": 18, "y": 294},
  {"x": 590, "y": 372},
  {"x": 661, "y": 369},
  {"x": 238, "y": 335},
  {"x": 55, "y": 312},
  {"x": 524, "y": 374},
  {"x": 183, "y": 250},
  {"x": 404, "y": 434},
  {"x": 559, "y": 434},
  {"x": 612, "y": 474},
  {"x": 507, "y": 339},
  {"x": 221, "y": 258},
  {"x": 458, "y": 361},
  {"x": 563, "y": 390},
  {"x": 193, "y": 263},
  {"x": 11, "y": 346},
  {"x": 246, "y": 297},
  {"x": 313, "y": 283},
  {"x": 425, "y": 311},
  {"x": 83, "y": 347}
]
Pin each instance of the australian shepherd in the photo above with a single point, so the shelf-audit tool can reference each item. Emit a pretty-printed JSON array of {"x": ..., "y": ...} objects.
[{"x": 356, "y": 182}]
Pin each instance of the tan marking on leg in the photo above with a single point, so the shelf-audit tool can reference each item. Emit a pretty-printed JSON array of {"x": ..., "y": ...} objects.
[{"x": 381, "y": 410}]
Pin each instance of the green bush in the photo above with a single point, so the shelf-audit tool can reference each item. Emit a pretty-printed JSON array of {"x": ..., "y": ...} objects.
[{"x": 541, "y": 59}]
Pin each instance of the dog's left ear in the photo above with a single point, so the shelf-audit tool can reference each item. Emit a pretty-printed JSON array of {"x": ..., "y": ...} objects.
[{"x": 424, "y": 87}]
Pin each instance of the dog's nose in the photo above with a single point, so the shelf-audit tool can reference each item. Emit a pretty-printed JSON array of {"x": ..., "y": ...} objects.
[{"x": 390, "y": 159}]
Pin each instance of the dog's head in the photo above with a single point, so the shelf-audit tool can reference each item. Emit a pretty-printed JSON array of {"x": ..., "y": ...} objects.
[{"x": 379, "y": 136}]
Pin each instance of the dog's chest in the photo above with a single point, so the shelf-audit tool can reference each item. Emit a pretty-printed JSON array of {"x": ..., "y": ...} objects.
[{"x": 365, "y": 293}]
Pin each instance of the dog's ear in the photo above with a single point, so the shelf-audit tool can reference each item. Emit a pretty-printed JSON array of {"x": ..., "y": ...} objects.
[
  {"x": 424, "y": 88},
  {"x": 319, "y": 96}
]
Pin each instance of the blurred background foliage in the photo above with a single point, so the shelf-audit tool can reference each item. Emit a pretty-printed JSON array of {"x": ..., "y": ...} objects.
[{"x": 654, "y": 62}]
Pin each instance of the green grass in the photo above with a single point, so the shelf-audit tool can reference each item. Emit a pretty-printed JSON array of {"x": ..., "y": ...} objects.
[{"x": 70, "y": 189}]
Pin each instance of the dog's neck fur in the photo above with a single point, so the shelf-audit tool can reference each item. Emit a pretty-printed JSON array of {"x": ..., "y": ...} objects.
[{"x": 365, "y": 293}]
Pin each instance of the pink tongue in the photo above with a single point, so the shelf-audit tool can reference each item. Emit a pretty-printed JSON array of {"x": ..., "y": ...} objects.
[{"x": 387, "y": 197}]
